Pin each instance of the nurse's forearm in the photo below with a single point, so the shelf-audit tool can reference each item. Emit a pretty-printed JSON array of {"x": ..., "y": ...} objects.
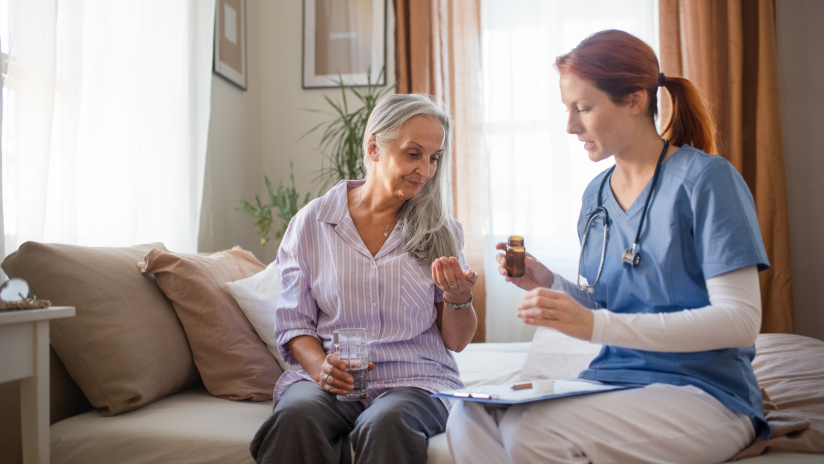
[{"x": 732, "y": 320}]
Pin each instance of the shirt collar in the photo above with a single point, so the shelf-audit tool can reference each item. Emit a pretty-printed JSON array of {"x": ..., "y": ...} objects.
[{"x": 335, "y": 203}]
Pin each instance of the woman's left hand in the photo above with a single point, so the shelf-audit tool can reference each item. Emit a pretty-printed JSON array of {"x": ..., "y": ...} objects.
[
  {"x": 455, "y": 283},
  {"x": 558, "y": 311}
]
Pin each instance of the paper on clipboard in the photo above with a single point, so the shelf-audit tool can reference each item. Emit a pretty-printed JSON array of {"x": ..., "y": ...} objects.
[{"x": 505, "y": 394}]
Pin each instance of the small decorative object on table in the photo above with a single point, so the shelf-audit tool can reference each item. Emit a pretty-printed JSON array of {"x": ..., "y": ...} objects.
[{"x": 14, "y": 294}]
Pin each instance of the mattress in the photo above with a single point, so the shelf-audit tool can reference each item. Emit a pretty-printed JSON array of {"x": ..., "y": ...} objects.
[{"x": 195, "y": 427}]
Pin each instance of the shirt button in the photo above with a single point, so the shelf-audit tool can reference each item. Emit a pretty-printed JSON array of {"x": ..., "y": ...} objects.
[
  {"x": 373, "y": 305},
  {"x": 373, "y": 334},
  {"x": 373, "y": 266}
]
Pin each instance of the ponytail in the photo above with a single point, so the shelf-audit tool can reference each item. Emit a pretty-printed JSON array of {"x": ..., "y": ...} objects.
[
  {"x": 619, "y": 64},
  {"x": 690, "y": 122}
]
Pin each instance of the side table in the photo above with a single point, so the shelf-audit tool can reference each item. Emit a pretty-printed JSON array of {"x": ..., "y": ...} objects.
[{"x": 24, "y": 355}]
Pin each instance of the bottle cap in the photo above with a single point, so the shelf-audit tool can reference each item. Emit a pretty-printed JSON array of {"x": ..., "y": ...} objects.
[{"x": 516, "y": 241}]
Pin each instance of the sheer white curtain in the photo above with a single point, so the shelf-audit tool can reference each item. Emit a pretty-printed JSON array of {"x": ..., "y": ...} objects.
[
  {"x": 538, "y": 171},
  {"x": 105, "y": 120}
]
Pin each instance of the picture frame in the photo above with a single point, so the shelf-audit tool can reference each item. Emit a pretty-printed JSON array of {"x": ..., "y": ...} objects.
[
  {"x": 230, "y": 41},
  {"x": 343, "y": 40}
]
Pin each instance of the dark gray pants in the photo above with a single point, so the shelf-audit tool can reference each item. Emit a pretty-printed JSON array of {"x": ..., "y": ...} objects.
[{"x": 309, "y": 425}]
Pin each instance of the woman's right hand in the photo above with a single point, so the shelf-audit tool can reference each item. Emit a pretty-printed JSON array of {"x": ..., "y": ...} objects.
[
  {"x": 536, "y": 275},
  {"x": 333, "y": 377}
]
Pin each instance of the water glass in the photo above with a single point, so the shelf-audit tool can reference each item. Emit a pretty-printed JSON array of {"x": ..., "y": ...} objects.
[{"x": 352, "y": 347}]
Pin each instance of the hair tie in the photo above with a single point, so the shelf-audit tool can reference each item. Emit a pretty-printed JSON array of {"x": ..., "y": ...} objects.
[{"x": 662, "y": 80}]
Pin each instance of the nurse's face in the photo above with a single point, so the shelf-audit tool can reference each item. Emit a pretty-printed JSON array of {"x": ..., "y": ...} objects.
[{"x": 603, "y": 126}]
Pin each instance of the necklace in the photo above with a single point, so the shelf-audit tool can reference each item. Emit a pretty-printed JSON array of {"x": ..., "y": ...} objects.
[{"x": 386, "y": 227}]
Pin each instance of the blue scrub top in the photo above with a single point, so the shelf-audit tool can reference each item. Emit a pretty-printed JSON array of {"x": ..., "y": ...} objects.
[{"x": 701, "y": 223}]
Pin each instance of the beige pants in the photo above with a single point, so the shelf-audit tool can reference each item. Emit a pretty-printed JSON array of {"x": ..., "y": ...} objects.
[{"x": 655, "y": 424}]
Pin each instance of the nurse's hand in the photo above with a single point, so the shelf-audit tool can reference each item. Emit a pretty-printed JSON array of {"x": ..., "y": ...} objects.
[
  {"x": 536, "y": 275},
  {"x": 558, "y": 311}
]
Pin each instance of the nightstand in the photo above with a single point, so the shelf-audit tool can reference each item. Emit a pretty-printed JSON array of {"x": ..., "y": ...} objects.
[{"x": 24, "y": 355}]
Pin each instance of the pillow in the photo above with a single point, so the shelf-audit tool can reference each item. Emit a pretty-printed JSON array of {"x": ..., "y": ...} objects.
[
  {"x": 125, "y": 347},
  {"x": 554, "y": 355},
  {"x": 232, "y": 360},
  {"x": 257, "y": 297}
]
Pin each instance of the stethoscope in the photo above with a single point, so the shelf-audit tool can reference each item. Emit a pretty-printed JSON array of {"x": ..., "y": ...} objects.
[{"x": 631, "y": 255}]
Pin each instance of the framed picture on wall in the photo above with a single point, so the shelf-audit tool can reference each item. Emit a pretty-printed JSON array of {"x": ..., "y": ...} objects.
[
  {"x": 346, "y": 39},
  {"x": 230, "y": 41}
]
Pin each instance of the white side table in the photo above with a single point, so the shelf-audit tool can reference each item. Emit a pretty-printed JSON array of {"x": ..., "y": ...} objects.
[{"x": 24, "y": 354}]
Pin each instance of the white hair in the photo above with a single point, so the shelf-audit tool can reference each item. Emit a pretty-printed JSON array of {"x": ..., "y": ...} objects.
[{"x": 425, "y": 221}]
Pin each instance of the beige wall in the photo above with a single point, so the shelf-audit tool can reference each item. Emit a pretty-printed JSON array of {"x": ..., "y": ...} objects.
[
  {"x": 264, "y": 123},
  {"x": 801, "y": 79}
]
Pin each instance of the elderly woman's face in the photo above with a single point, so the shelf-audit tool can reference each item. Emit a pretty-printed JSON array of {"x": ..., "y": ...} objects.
[{"x": 405, "y": 164}]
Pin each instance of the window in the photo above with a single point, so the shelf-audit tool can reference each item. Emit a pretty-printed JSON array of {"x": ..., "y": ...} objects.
[{"x": 538, "y": 172}]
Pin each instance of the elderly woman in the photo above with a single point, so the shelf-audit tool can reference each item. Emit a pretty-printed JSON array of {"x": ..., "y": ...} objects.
[{"x": 381, "y": 254}]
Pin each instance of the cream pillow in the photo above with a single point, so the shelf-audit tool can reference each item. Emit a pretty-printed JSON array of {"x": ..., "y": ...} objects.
[
  {"x": 554, "y": 355},
  {"x": 257, "y": 297}
]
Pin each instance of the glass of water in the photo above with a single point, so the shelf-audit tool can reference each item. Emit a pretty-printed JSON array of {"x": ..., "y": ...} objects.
[{"x": 352, "y": 347}]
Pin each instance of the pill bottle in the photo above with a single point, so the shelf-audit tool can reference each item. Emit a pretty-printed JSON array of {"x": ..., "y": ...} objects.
[{"x": 515, "y": 254}]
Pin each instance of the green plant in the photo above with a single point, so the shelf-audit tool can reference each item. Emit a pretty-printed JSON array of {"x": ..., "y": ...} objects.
[
  {"x": 285, "y": 200},
  {"x": 342, "y": 135}
]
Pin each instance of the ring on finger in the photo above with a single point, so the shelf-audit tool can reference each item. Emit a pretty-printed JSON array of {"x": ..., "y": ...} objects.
[
  {"x": 551, "y": 316},
  {"x": 452, "y": 286}
]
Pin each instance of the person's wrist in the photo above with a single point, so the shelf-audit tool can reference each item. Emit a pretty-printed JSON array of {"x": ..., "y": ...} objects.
[{"x": 457, "y": 297}]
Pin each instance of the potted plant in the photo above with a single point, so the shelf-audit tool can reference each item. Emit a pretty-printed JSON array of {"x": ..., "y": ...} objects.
[{"x": 340, "y": 142}]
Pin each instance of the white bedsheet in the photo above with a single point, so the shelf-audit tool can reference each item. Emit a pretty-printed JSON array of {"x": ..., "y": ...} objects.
[{"x": 195, "y": 427}]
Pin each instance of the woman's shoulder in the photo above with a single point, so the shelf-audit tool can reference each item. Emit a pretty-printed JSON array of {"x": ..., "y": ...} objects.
[{"x": 694, "y": 167}]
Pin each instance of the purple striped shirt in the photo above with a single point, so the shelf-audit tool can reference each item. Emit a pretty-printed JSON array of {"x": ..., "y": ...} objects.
[{"x": 331, "y": 281}]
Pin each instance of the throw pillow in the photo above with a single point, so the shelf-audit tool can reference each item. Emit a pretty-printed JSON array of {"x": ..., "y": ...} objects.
[
  {"x": 554, "y": 355},
  {"x": 125, "y": 347},
  {"x": 232, "y": 360},
  {"x": 257, "y": 297}
]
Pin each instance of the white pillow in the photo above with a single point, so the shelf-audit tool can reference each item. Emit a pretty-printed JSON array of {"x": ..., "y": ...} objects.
[
  {"x": 554, "y": 355},
  {"x": 257, "y": 297}
]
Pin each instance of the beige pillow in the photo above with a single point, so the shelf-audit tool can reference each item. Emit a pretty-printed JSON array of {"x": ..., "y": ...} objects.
[
  {"x": 125, "y": 347},
  {"x": 231, "y": 358}
]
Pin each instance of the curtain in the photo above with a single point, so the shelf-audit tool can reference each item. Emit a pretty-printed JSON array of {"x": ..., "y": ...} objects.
[
  {"x": 105, "y": 120},
  {"x": 728, "y": 48},
  {"x": 438, "y": 53},
  {"x": 539, "y": 172}
]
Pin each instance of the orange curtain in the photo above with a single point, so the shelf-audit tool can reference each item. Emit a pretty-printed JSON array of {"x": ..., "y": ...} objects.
[
  {"x": 438, "y": 52},
  {"x": 728, "y": 48}
]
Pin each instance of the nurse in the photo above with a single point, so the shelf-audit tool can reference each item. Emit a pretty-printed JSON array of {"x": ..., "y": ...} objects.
[{"x": 676, "y": 304}]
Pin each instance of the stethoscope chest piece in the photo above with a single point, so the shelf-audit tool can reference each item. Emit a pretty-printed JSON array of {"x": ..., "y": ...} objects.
[{"x": 631, "y": 256}]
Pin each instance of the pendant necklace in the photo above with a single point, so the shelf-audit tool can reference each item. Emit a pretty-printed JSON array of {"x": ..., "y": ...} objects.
[{"x": 386, "y": 227}]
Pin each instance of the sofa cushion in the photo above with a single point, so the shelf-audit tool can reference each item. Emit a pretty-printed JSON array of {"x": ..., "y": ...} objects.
[
  {"x": 125, "y": 347},
  {"x": 232, "y": 360},
  {"x": 257, "y": 297}
]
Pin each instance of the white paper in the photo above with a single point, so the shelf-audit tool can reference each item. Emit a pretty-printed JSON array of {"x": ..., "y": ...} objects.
[{"x": 230, "y": 23}]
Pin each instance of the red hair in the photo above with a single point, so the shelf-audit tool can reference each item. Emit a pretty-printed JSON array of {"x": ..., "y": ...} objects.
[{"x": 619, "y": 64}]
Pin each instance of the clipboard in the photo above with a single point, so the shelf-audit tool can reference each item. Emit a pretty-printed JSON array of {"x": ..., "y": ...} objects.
[{"x": 507, "y": 394}]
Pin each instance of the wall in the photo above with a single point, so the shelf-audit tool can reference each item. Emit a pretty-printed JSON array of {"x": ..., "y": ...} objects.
[
  {"x": 257, "y": 131},
  {"x": 233, "y": 156},
  {"x": 283, "y": 101},
  {"x": 801, "y": 67}
]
